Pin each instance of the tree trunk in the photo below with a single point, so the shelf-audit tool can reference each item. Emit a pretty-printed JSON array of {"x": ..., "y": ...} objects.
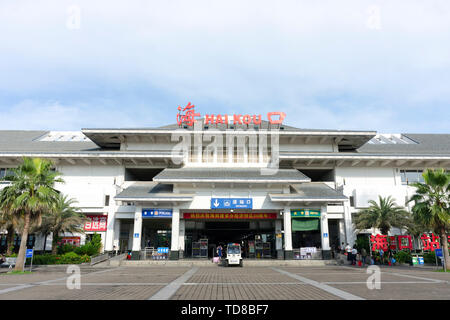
[
  {"x": 444, "y": 241},
  {"x": 23, "y": 244},
  {"x": 54, "y": 245},
  {"x": 10, "y": 241}
]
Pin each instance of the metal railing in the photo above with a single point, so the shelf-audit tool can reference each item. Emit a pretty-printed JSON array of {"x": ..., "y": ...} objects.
[
  {"x": 151, "y": 253},
  {"x": 99, "y": 258}
]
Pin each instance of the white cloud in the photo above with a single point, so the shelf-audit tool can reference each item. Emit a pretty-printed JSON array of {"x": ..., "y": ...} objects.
[{"x": 317, "y": 57}]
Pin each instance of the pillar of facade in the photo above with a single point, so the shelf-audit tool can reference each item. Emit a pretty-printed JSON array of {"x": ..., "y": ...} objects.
[
  {"x": 175, "y": 237},
  {"x": 341, "y": 225},
  {"x": 137, "y": 233},
  {"x": 349, "y": 236},
  {"x": 288, "y": 254},
  {"x": 325, "y": 235},
  {"x": 278, "y": 240},
  {"x": 181, "y": 238},
  {"x": 110, "y": 230},
  {"x": 116, "y": 237}
]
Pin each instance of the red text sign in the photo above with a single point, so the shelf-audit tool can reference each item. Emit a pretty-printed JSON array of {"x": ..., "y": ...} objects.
[
  {"x": 187, "y": 115},
  {"x": 242, "y": 216},
  {"x": 96, "y": 223}
]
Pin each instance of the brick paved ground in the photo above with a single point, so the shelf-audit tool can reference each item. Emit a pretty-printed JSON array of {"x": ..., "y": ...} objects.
[{"x": 219, "y": 283}]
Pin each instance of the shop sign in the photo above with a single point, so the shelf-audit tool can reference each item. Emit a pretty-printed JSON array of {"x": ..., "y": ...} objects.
[
  {"x": 96, "y": 223},
  {"x": 75, "y": 241},
  {"x": 228, "y": 216},
  {"x": 231, "y": 203},
  {"x": 305, "y": 213},
  {"x": 187, "y": 115},
  {"x": 156, "y": 213}
]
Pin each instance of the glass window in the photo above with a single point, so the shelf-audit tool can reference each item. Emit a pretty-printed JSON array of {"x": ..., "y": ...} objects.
[{"x": 411, "y": 176}]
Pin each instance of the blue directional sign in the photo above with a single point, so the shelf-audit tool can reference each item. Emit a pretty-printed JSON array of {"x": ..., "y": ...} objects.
[
  {"x": 163, "y": 249},
  {"x": 29, "y": 253},
  {"x": 231, "y": 203},
  {"x": 156, "y": 213},
  {"x": 438, "y": 252}
]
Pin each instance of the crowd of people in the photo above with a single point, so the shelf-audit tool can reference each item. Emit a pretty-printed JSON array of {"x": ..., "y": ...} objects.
[{"x": 361, "y": 258}]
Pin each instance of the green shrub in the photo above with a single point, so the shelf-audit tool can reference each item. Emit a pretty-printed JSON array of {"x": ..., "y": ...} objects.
[
  {"x": 429, "y": 257},
  {"x": 66, "y": 248},
  {"x": 68, "y": 258},
  {"x": 403, "y": 257},
  {"x": 91, "y": 248},
  {"x": 46, "y": 258}
]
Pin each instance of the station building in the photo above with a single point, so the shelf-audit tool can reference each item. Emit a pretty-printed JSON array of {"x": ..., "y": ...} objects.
[{"x": 142, "y": 190}]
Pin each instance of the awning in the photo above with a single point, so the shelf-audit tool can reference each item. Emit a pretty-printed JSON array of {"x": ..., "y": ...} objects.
[
  {"x": 305, "y": 224},
  {"x": 309, "y": 192},
  {"x": 151, "y": 191}
]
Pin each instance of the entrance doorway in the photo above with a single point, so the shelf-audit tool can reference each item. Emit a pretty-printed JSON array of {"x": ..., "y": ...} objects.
[{"x": 257, "y": 238}]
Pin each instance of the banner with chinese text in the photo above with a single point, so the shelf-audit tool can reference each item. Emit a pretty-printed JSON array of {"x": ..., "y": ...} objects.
[
  {"x": 271, "y": 215},
  {"x": 96, "y": 223}
]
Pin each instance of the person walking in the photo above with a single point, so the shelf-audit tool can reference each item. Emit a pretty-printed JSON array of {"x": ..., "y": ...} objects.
[
  {"x": 363, "y": 256},
  {"x": 219, "y": 251},
  {"x": 354, "y": 253},
  {"x": 348, "y": 250}
]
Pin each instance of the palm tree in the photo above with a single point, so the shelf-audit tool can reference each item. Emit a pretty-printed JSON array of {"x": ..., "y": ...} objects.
[
  {"x": 383, "y": 216},
  {"x": 7, "y": 222},
  {"x": 432, "y": 205},
  {"x": 64, "y": 217},
  {"x": 30, "y": 194}
]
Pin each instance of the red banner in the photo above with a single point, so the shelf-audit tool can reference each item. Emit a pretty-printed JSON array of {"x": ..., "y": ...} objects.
[
  {"x": 96, "y": 223},
  {"x": 228, "y": 216},
  {"x": 75, "y": 241}
]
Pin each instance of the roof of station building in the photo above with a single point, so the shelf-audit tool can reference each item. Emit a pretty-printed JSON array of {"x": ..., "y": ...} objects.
[
  {"x": 230, "y": 175},
  {"x": 75, "y": 142}
]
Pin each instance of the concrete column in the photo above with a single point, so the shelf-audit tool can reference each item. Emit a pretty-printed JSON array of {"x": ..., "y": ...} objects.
[
  {"x": 278, "y": 241},
  {"x": 174, "y": 243},
  {"x": 288, "y": 254},
  {"x": 181, "y": 238},
  {"x": 137, "y": 233},
  {"x": 116, "y": 236},
  {"x": 130, "y": 237},
  {"x": 349, "y": 234},
  {"x": 325, "y": 235},
  {"x": 342, "y": 232},
  {"x": 110, "y": 231}
]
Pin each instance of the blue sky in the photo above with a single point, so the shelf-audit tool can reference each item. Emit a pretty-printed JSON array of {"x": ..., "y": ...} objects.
[{"x": 369, "y": 65}]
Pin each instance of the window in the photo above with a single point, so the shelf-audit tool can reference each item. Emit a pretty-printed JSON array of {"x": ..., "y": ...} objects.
[
  {"x": 107, "y": 201},
  {"x": 411, "y": 176},
  {"x": 352, "y": 201}
]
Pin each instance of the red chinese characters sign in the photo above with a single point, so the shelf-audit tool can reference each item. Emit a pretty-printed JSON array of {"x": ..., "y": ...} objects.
[
  {"x": 382, "y": 242},
  {"x": 187, "y": 115},
  {"x": 96, "y": 223},
  {"x": 430, "y": 243},
  {"x": 227, "y": 216}
]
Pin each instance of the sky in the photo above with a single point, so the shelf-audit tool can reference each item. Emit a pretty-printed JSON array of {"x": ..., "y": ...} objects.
[{"x": 349, "y": 64}]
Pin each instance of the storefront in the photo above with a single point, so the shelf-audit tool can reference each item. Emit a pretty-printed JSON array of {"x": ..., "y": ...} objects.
[{"x": 255, "y": 231}]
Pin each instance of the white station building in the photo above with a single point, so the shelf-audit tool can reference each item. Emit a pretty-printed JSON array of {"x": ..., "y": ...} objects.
[{"x": 142, "y": 191}]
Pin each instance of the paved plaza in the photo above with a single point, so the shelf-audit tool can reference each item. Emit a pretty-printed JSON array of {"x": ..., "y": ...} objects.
[{"x": 219, "y": 283}]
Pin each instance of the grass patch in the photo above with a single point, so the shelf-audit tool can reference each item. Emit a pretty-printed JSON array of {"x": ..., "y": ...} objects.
[
  {"x": 17, "y": 272},
  {"x": 441, "y": 270}
]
